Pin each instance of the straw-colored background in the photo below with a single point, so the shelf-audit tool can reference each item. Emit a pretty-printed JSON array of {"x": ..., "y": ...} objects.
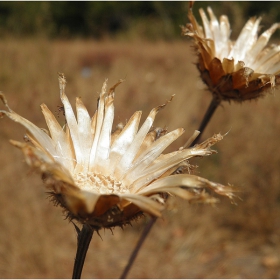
[{"x": 190, "y": 241}]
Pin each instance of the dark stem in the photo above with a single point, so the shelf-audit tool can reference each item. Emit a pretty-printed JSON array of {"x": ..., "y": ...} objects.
[
  {"x": 84, "y": 238},
  {"x": 143, "y": 236},
  {"x": 207, "y": 117}
]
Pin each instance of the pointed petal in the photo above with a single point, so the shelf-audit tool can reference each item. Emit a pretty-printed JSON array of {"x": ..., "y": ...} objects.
[
  {"x": 195, "y": 26},
  {"x": 71, "y": 119},
  {"x": 206, "y": 25},
  {"x": 225, "y": 37},
  {"x": 266, "y": 62},
  {"x": 215, "y": 27},
  {"x": 116, "y": 132},
  {"x": 59, "y": 137},
  {"x": 93, "y": 123},
  {"x": 85, "y": 133},
  {"x": 259, "y": 45},
  {"x": 150, "y": 138},
  {"x": 157, "y": 169},
  {"x": 124, "y": 140},
  {"x": 151, "y": 154},
  {"x": 145, "y": 203},
  {"x": 44, "y": 162},
  {"x": 131, "y": 152},
  {"x": 104, "y": 142},
  {"x": 248, "y": 35},
  {"x": 209, "y": 142},
  {"x": 99, "y": 122},
  {"x": 186, "y": 180},
  {"x": 133, "y": 149},
  {"x": 43, "y": 140},
  {"x": 70, "y": 144}
]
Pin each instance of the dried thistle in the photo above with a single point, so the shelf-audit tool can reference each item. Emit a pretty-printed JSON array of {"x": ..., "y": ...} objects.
[
  {"x": 104, "y": 179},
  {"x": 240, "y": 70}
]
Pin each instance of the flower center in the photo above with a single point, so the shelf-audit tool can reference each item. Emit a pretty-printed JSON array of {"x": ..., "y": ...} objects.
[{"x": 99, "y": 183}]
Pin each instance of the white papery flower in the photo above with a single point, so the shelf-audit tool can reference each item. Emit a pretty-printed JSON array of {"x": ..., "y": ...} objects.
[
  {"x": 106, "y": 179},
  {"x": 239, "y": 70}
]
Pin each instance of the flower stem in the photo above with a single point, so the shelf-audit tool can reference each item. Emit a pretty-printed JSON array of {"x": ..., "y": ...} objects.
[
  {"x": 143, "y": 236},
  {"x": 207, "y": 117},
  {"x": 84, "y": 238}
]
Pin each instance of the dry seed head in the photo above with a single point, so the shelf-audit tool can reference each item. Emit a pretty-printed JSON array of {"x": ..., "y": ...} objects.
[
  {"x": 104, "y": 178},
  {"x": 240, "y": 70}
]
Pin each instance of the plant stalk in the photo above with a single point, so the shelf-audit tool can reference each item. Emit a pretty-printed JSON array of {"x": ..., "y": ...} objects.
[
  {"x": 84, "y": 238},
  {"x": 207, "y": 117},
  {"x": 135, "y": 252}
]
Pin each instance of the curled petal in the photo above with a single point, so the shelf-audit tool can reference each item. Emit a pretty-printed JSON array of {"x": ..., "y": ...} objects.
[{"x": 185, "y": 180}]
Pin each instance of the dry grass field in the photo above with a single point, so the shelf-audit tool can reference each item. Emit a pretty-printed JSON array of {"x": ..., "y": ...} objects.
[{"x": 190, "y": 241}]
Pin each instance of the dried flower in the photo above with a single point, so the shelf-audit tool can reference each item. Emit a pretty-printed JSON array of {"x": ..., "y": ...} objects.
[
  {"x": 107, "y": 179},
  {"x": 239, "y": 70}
]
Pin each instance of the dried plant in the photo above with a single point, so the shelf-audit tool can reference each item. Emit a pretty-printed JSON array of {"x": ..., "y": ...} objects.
[
  {"x": 240, "y": 70},
  {"x": 233, "y": 71},
  {"x": 103, "y": 179}
]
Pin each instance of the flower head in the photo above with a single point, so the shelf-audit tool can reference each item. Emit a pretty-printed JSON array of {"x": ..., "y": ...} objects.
[
  {"x": 239, "y": 70},
  {"x": 104, "y": 178}
]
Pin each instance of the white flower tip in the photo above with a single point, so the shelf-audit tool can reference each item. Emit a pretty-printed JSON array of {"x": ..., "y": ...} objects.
[
  {"x": 2, "y": 97},
  {"x": 43, "y": 106},
  {"x": 16, "y": 143},
  {"x": 211, "y": 13},
  {"x": 5, "y": 102},
  {"x": 62, "y": 84},
  {"x": 275, "y": 26},
  {"x": 104, "y": 87},
  {"x": 272, "y": 29},
  {"x": 227, "y": 133},
  {"x": 209, "y": 142},
  {"x": 61, "y": 79},
  {"x": 112, "y": 89},
  {"x": 163, "y": 105},
  {"x": 191, "y": 3},
  {"x": 190, "y": 140}
]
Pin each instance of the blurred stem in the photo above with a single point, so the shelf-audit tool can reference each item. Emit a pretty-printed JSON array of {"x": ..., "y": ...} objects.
[
  {"x": 207, "y": 117},
  {"x": 135, "y": 252},
  {"x": 84, "y": 238}
]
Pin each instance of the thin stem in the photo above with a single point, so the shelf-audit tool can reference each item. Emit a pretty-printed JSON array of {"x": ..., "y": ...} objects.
[
  {"x": 84, "y": 238},
  {"x": 207, "y": 117},
  {"x": 143, "y": 236}
]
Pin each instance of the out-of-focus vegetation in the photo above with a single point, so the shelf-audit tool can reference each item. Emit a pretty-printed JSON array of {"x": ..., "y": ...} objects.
[{"x": 151, "y": 20}]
